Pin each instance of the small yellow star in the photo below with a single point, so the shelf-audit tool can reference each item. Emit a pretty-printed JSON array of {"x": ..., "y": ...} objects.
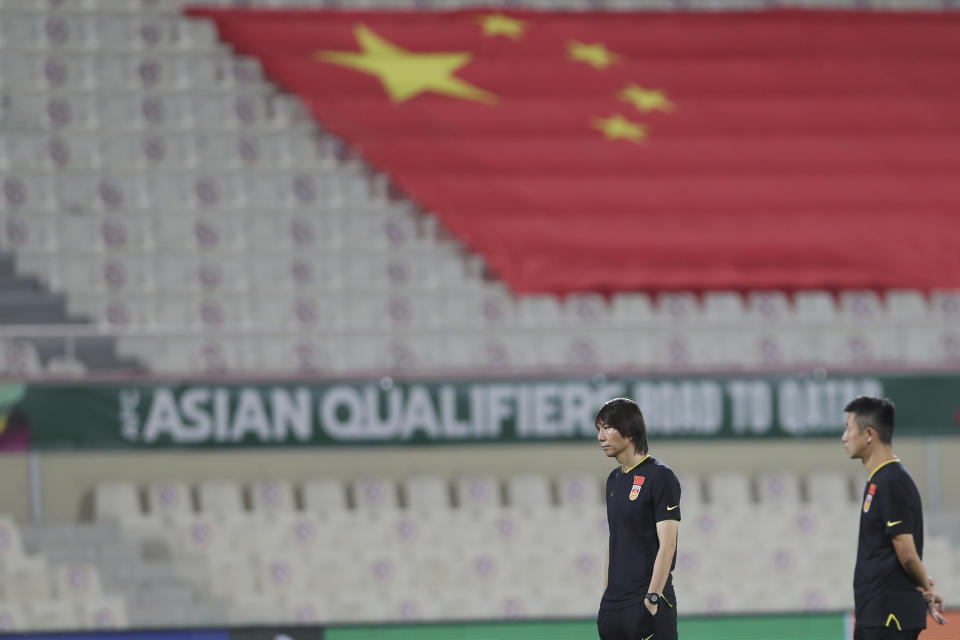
[
  {"x": 596, "y": 55},
  {"x": 406, "y": 74},
  {"x": 646, "y": 99},
  {"x": 617, "y": 127},
  {"x": 497, "y": 24}
]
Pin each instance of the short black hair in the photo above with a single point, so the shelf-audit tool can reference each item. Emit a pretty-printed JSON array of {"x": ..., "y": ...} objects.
[
  {"x": 625, "y": 416},
  {"x": 873, "y": 412}
]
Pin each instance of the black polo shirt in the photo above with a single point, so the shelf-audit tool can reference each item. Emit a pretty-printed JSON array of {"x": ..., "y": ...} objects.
[
  {"x": 636, "y": 501},
  {"x": 883, "y": 592}
]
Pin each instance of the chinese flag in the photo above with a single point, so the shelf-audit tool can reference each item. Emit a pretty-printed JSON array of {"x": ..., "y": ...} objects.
[{"x": 622, "y": 151}]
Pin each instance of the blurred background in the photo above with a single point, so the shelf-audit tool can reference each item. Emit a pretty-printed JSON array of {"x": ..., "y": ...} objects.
[{"x": 251, "y": 387}]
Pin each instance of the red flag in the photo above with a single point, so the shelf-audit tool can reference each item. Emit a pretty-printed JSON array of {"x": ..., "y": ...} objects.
[{"x": 612, "y": 151}]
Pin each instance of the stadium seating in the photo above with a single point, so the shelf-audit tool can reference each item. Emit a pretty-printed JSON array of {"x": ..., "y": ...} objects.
[
  {"x": 530, "y": 552},
  {"x": 427, "y": 493},
  {"x": 142, "y": 162},
  {"x": 169, "y": 500},
  {"x": 60, "y": 590},
  {"x": 425, "y": 556},
  {"x": 157, "y": 184}
]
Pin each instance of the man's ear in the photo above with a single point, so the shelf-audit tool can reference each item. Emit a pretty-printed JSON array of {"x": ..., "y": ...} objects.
[{"x": 871, "y": 434}]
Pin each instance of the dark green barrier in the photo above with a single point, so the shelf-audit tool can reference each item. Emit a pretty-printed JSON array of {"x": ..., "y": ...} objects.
[
  {"x": 787, "y": 627},
  {"x": 200, "y": 415}
]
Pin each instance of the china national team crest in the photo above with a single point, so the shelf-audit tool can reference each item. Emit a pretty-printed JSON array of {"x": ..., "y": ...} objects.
[
  {"x": 637, "y": 485},
  {"x": 866, "y": 503}
]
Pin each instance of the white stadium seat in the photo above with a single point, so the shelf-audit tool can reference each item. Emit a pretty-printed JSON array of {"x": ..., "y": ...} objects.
[
  {"x": 28, "y": 579},
  {"x": 104, "y": 613},
  {"x": 477, "y": 492},
  {"x": 829, "y": 489},
  {"x": 375, "y": 494},
  {"x": 778, "y": 488},
  {"x": 76, "y": 581},
  {"x": 691, "y": 490},
  {"x": 11, "y": 543},
  {"x": 426, "y": 493},
  {"x": 13, "y": 617},
  {"x": 52, "y": 615},
  {"x": 170, "y": 499},
  {"x": 729, "y": 488},
  {"x": 576, "y": 490},
  {"x": 271, "y": 497},
  {"x": 220, "y": 498},
  {"x": 324, "y": 496},
  {"x": 283, "y": 573},
  {"x": 116, "y": 500},
  {"x": 529, "y": 491}
]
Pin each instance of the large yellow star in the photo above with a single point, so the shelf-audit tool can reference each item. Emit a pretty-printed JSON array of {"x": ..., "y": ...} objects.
[
  {"x": 405, "y": 74},
  {"x": 497, "y": 24},
  {"x": 646, "y": 99},
  {"x": 596, "y": 55},
  {"x": 617, "y": 127}
]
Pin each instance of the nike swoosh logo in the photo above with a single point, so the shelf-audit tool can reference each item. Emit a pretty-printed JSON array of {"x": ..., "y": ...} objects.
[
  {"x": 669, "y": 509},
  {"x": 648, "y": 637},
  {"x": 893, "y": 524}
]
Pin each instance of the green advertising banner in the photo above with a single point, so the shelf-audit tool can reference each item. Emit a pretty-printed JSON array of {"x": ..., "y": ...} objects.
[
  {"x": 208, "y": 415},
  {"x": 820, "y": 626}
]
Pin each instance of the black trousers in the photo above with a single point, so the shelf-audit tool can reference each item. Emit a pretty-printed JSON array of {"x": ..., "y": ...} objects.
[
  {"x": 884, "y": 633},
  {"x": 636, "y": 623}
]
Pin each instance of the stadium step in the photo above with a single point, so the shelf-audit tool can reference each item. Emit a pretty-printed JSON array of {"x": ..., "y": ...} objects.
[
  {"x": 24, "y": 301},
  {"x": 32, "y": 307},
  {"x": 18, "y": 283},
  {"x": 7, "y": 264}
]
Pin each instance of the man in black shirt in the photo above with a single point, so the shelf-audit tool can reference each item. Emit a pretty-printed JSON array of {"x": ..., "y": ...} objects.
[
  {"x": 643, "y": 511},
  {"x": 892, "y": 592}
]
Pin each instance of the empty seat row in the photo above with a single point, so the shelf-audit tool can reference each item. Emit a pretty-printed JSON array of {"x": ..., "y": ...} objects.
[
  {"x": 476, "y": 553},
  {"x": 134, "y": 7},
  {"x": 62, "y": 615},
  {"x": 297, "y": 341},
  {"x": 30, "y": 577},
  {"x": 121, "y": 499},
  {"x": 311, "y": 235},
  {"x": 269, "y": 149},
  {"x": 402, "y": 268},
  {"x": 175, "y": 192},
  {"x": 120, "y": 31},
  {"x": 156, "y": 113},
  {"x": 37, "y": 594},
  {"x": 105, "y": 70},
  {"x": 509, "y": 533},
  {"x": 480, "y": 554},
  {"x": 359, "y": 250},
  {"x": 310, "y": 334},
  {"x": 19, "y": 358}
]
